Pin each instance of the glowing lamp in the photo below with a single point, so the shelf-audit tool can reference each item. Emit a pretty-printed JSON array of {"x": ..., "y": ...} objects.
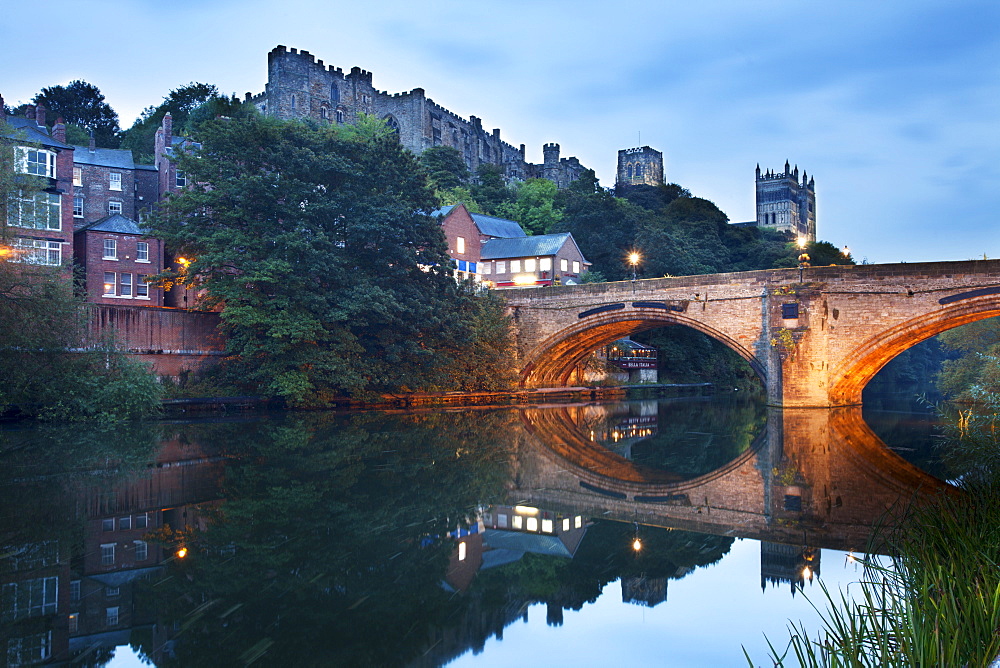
[
  {"x": 524, "y": 279},
  {"x": 181, "y": 553},
  {"x": 636, "y": 544}
]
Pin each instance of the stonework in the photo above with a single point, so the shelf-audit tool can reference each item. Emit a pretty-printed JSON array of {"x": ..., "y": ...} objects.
[
  {"x": 786, "y": 205},
  {"x": 642, "y": 166},
  {"x": 299, "y": 86}
]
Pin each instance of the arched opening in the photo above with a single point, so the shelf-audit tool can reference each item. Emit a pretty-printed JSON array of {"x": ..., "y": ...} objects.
[
  {"x": 560, "y": 360},
  {"x": 391, "y": 121}
]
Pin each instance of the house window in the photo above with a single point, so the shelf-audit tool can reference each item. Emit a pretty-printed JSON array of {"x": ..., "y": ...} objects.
[
  {"x": 124, "y": 523},
  {"x": 108, "y": 554},
  {"x": 115, "y": 181},
  {"x": 77, "y": 206},
  {"x": 485, "y": 267},
  {"x": 110, "y": 249},
  {"x": 74, "y": 622},
  {"x": 531, "y": 524},
  {"x": 324, "y": 113},
  {"x": 112, "y": 592},
  {"x": 501, "y": 267},
  {"x": 141, "y": 521},
  {"x": 141, "y": 550},
  {"x": 109, "y": 291},
  {"x": 29, "y": 598},
  {"x": 141, "y": 292},
  {"x": 339, "y": 115},
  {"x": 37, "y": 161},
  {"x": 41, "y": 212},
  {"x": 460, "y": 245},
  {"x": 461, "y": 551},
  {"x": 576, "y": 267},
  {"x": 108, "y": 524},
  {"x": 563, "y": 264},
  {"x": 142, "y": 251},
  {"x": 577, "y": 521},
  {"x": 517, "y": 521},
  {"x": 77, "y": 176},
  {"x": 180, "y": 179},
  {"x": 74, "y": 590},
  {"x": 546, "y": 526},
  {"x": 515, "y": 266},
  {"x": 114, "y": 207},
  {"x": 790, "y": 311},
  {"x": 124, "y": 285},
  {"x": 111, "y": 616},
  {"x": 565, "y": 524},
  {"x": 529, "y": 264},
  {"x": 545, "y": 264},
  {"x": 29, "y": 649},
  {"x": 38, "y": 251}
]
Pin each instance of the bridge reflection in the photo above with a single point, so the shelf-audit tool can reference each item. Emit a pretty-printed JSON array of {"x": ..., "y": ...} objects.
[{"x": 817, "y": 477}]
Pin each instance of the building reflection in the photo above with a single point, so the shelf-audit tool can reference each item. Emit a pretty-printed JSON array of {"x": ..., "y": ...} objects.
[{"x": 788, "y": 564}]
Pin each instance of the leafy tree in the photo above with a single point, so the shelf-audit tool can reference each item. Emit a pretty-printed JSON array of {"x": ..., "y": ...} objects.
[
  {"x": 534, "y": 206},
  {"x": 445, "y": 167},
  {"x": 313, "y": 243},
  {"x": 653, "y": 198},
  {"x": 82, "y": 104},
  {"x": 974, "y": 349},
  {"x": 490, "y": 190},
  {"x": 179, "y": 102}
]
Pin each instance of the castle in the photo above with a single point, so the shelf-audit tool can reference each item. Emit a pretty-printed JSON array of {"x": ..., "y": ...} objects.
[
  {"x": 299, "y": 86},
  {"x": 639, "y": 166},
  {"x": 784, "y": 204}
]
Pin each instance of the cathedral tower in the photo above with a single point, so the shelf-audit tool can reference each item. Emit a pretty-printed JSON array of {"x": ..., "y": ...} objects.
[
  {"x": 639, "y": 166},
  {"x": 786, "y": 205}
]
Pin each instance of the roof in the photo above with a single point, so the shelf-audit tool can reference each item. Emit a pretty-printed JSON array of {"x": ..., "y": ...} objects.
[
  {"x": 103, "y": 157},
  {"x": 114, "y": 223},
  {"x": 27, "y": 130},
  {"x": 492, "y": 226},
  {"x": 542, "y": 244},
  {"x": 442, "y": 211},
  {"x": 516, "y": 541}
]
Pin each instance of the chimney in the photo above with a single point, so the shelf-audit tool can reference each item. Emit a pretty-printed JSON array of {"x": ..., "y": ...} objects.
[
  {"x": 3, "y": 114},
  {"x": 59, "y": 130},
  {"x": 40, "y": 114},
  {"x": 92, "y": 144},
  {"x": 168, "y": 129}
]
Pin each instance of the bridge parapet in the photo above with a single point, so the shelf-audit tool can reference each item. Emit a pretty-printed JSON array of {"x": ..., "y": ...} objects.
[{"x": 814, "y": 342}]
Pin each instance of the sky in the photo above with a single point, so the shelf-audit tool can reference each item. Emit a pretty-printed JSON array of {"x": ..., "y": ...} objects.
[{"x": 893, "y": 106}]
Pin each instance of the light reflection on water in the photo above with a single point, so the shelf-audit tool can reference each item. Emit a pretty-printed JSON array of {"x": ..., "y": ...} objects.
[{"x": 311, "y": 535}]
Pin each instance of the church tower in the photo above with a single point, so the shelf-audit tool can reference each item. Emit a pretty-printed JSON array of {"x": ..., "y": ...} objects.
[
  {"x": 639, "y": 166},
  {"x": 786, "y": 205}
]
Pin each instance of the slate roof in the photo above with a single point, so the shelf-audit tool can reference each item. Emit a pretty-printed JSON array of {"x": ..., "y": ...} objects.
[
  {"x": 542, "y": 244},
  {"x": 492, "y": 226},
  {"x": 29, "y": 131},
  {"x": 103, "y": 157},
  {"x": 115, "y": 223},
  {"x": 516, "y": 541}
]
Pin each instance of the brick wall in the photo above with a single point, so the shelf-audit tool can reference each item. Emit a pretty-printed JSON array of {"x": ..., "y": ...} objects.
[{"x": 89, "y": 249}]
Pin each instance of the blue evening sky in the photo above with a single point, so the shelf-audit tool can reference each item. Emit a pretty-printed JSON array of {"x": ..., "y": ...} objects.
[{"x": 892, "y": 106}]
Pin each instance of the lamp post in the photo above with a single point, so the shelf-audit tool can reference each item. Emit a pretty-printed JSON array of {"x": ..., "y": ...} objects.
[
  {"x": 633, "y": 259},
  {"x": 803, "y": 256}
]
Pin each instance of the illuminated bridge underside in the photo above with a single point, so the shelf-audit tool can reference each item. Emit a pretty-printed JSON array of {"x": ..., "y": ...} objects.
[{"x": 814, "y": 343}]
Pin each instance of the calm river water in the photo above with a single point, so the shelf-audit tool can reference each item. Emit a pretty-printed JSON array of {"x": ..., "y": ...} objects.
[{"x": 665, "y": 532}]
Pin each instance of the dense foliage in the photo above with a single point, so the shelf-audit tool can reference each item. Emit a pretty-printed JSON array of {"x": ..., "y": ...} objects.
[
  {"x": 330, "y": 277},
  {"x": 179, "y": 103},
  {"x": 81, "y": 104}
]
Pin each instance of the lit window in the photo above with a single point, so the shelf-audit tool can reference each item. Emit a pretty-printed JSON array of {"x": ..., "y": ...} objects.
[
  {"x": 563, "y": 264},
  {"x": 78, "y": 206},
  {"x": 109, "y": 291},
  {"x": 111, "y": 616},
  {"x": 531, "y": 524},
  {"x": 114, "y": 207},
  {"x": 108, "y": 554},
  {"x": 115, "y": 181},
  {"x": 125, "y": 285},
  {"x": 141, "y": 550},
  {"x": 38, "y": 251},
  {"x": 578, "y": 522},
  {"x": 565, "y": 524},
  {"x": 515, "y": 266},
  {"x": 40, "y": 212},
  {"x": 74, "y": 622},
  {"x": 517, "y": 521},
  {"x": 110, "y": 249},
  {"x": 501, "y": 267},
  {"x": 142, "y": 251},
  {"x": 460, "y": 245},
  {"x": 461, "y": 551},
  {"x": 141, "y": 292},
  {"x": 576, "y": 267},
  {"x": 545, "y": 264},
  {"x": 529, "y": 264},
  {"x": 546, "y": 526},
  {"x": 37, "y": 161},
  {"x": 77, "y": 176},
  {"x": 181, "y": 179}
]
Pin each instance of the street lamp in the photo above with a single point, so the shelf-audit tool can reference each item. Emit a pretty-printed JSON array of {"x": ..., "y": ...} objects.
[
  {"x": 633, "y": 259},
  {"x": 803, "y": 256}
]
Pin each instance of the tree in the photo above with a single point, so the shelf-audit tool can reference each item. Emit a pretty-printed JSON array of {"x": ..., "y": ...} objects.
[
  {"x": 445, "y": 167},
  {"x": 490, "y": 190},
  {"x": 82, "y": 104},
  {"x": 313, "y": 242},
  {"x": 179, "y": 103},
  {"x": 534, "y": 206}
]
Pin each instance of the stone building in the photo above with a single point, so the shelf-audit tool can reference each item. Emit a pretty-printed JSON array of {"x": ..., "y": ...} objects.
[
  {"x": 299, "y": 86},
  {"x": 639, "y": 166},
  {"x": 786, "y": 205}
]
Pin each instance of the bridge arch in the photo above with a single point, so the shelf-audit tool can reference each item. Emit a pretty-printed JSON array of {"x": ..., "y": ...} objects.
[
  {"x": 875, "y": 352},
  {"x": 552, "y": 362}
]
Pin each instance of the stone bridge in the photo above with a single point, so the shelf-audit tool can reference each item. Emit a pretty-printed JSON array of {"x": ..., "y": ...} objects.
[{"x": 815, "y": 338}]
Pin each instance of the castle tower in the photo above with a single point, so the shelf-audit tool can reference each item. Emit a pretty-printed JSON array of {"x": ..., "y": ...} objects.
[
  {"x": 639, "y": 166},
  {"x": 786, "y": 205}
]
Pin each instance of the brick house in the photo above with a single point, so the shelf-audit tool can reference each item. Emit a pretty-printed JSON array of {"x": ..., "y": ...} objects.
[
  {"x": 117, "y": 258},
  {"x": 43, "y": 223},
  {"x": 104, "y": 184}
]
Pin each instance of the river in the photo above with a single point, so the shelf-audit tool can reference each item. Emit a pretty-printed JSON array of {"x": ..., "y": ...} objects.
[{"x": 672, "y": 532}]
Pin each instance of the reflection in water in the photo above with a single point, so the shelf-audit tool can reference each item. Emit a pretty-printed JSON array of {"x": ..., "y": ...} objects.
[{"x": 378, "y": 539}]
